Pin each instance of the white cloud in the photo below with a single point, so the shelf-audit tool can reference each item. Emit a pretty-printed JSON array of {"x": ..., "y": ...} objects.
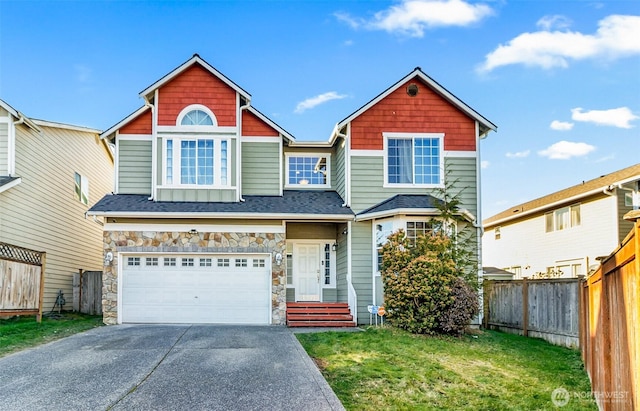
[
  {"x": 561, "y": 125},
  {"x": 519, "y": 154},
  {"x": 564, "y": 150},
  {"x": 484, "y": 164},
  {"x": 553, "y": 22},
  {"x": 413, "y": 17},
  {"x": 317, "y": 100},
  {"x": 617, "y": 117},
  {"x": 615, "y": 38}
]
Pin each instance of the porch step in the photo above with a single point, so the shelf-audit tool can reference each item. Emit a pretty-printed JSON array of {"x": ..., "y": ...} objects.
[{"x": 315, "y": 314}]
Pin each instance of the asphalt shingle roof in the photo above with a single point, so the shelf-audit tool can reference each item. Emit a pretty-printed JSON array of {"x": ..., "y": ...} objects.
[
  {"x": 292, "y": 202},
  {"x": 403, "y": 201},
  {"x": 573, "y": 191}
]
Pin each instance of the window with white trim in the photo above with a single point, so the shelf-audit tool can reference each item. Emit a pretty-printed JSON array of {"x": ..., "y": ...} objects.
[
  {"x": 307, "y": 169},
  {"x": 151, "y": 261},
  {"x": 562, "y": 218},
  {"x": 187, "y": 262},
  {"x": 414, "y": 159},
  {"x": 223, "y": 262},
  {"x": 196, "y": 161},
  {"x": 169, "y": 261},
  {"x": 205, "y": 262},
  {"x": 82, "y": 188},
  {"x": 196, "y": 117}
]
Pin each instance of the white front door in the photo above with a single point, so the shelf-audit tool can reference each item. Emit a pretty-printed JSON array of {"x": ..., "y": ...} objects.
[{"x": 307, "y": 271}]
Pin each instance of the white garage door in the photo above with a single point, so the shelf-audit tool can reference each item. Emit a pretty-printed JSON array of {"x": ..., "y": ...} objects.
[{"x": 227, "y": 289}]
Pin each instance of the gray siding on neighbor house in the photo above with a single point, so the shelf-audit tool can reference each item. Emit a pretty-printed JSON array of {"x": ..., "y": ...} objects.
[
  {"x": 260, "y": 168},
  {"x": 362, "y": 266},
  {"x": 134, "y": 167},
  {"x": 367, "y": 179},
  {"x": 42, "y": 213},
  {"x": 4, "y": 149},
  {"x": 624, "y": 226}
]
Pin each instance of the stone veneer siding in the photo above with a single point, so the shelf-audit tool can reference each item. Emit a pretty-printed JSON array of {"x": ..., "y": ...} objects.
[{"x": 181, "y": 242}]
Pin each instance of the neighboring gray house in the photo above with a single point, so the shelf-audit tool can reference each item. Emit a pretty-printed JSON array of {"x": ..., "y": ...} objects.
[
  {"x": 219, "y": 215},
  {"x": 563, "y": 232},
  {"x": 50, "y": 174}
]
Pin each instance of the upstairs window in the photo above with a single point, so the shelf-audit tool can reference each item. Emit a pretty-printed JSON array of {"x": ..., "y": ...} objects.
[
  {"x": 308, "y": 170},
  {"x": 82, "y": 188},
  {"x": 562, "y": 218},
  {"x": 196, "y": 118},
  {"x": 196, "y": 161},
  {"x": 413, "y": 160}
]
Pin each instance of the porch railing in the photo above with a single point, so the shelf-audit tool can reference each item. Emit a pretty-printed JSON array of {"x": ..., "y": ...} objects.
[{"x": 353, "y": 301}]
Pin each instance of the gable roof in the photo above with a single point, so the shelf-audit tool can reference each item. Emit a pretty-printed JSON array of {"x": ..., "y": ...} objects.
[
  {"x": 21, "y": 117},
  {"x": 574, "y": 193},
  {"x": 111, "y": 130},
  {"x": 196, "y": 59},
  {"x": 302, "y": 204},
  {"x": 485, "y": 125}
]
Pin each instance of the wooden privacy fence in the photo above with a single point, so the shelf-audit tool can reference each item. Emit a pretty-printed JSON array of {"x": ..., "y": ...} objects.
[
  {"x": 610, "y": 325},
  {"x": 21, "y": 281},
  {"x": 546, "y": 308},
  {"x": 87, "y": 292}
]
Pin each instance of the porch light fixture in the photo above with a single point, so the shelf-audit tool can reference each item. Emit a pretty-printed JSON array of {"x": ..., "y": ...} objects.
[
  {"x": 278, "y": 259},
  {"x": 193, "y": 231},
  {"x": 334, "y": 247}
]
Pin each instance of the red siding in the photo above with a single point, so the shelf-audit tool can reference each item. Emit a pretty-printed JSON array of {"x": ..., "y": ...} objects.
[
  {"x": 139, "y": 125},
  {"x": 253, "y": 126},
  {"x": 427, "y": 112},
  {"x": 196, "y": 86}
]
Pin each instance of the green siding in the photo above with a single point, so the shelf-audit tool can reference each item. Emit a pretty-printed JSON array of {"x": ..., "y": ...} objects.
[
  {"x": 342, "y": 267},
  {"x": 134, "y": 167},
  {"x": 367, "y": 179},
  {"x": 338, "y": 170},
  {"x": 362, "y": 266},
  {"x": 196, "y": 194},
  {"x": 329, "y": 295},
  {"x": 260, "y": 168},
  {"x": 4, "y": 149},
  {"x": 625, "y": 226}
]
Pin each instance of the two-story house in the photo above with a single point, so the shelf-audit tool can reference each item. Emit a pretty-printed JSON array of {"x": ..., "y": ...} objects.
[
  {"x": 219, "y": 215},
  {"x": 50, "y": 174},
  {"x": 563, "y": 233}
]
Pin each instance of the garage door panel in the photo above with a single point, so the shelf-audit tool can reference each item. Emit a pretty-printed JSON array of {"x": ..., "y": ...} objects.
[{"x": 196, "y": 294}]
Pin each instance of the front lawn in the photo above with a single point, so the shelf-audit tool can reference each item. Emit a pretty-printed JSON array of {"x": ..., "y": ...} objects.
[
  {"x": 386, "y": 368},
  {"x": 22, "y": 332}
]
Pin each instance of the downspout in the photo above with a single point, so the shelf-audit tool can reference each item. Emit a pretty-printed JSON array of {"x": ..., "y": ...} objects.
[
  {"x": 478, "y": 222},
  {"x": 154, "y": 145},
  {"x": 239, "y": 150}
]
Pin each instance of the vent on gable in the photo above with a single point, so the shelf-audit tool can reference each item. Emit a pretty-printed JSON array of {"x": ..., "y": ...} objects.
[{"x": 412, "y": 90}]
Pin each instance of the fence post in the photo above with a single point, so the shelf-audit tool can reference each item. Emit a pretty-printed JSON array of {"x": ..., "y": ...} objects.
[
  {"x": 525, "y": 307},
  {"x": 486, "y": 287},
  {"x": 43, "y": 263}
]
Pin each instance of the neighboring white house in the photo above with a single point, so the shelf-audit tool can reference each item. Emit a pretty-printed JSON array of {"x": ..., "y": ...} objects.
[
  {"x": 564, "y": 232},
  {"x": 50, "y": 174}
]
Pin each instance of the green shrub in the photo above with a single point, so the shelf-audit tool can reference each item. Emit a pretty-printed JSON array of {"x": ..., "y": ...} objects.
[{"x": 423, "y": 290}]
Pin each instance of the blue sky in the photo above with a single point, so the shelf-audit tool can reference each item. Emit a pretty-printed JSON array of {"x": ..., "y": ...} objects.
[{"x": 560, "y": 79}]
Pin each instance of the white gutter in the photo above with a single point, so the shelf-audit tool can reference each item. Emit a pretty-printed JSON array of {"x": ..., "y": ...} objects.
[
  {"x": 347, "y": 167},
  {"x": 154, "y": 145},
  {"x": 182, "y": 215},
  {"x": 466, "y": 214},
  {"x": 239, "y": 146},
  {"x": 559, "y": 202}
]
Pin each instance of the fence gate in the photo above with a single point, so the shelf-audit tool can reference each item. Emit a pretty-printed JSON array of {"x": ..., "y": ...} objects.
[
  {"x": 21, "y": 281},
  {"x": 87, "y": 292}
]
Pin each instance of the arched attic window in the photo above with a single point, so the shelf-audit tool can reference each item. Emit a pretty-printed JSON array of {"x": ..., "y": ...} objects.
[{"x": 196, "y": 115}]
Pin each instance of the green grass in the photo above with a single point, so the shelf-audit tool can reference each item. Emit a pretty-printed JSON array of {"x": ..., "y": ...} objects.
[
  {"x": 389, "y": 369},
  {"x": 22, "y": 332}
]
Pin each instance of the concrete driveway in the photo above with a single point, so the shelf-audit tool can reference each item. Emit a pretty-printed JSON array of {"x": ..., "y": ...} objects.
[{"x": 167, "y": 367}]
